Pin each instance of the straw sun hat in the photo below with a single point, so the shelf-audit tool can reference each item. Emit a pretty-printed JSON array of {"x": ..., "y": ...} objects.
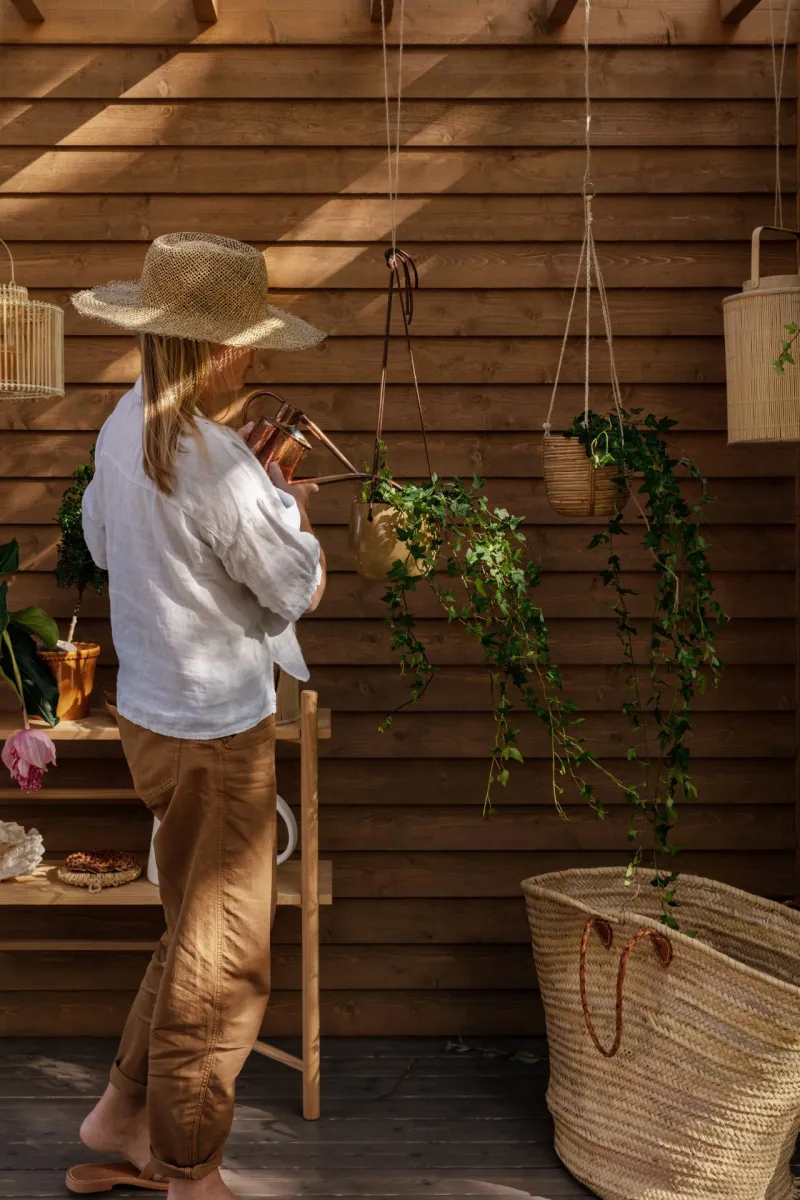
[{"x": 202, "y": 287}]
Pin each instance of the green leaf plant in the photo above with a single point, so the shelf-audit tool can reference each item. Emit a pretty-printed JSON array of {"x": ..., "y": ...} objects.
[
  {"x": 75, "y": 568},
  {"x": 472, "y": 557},
  {"x": 21, "y": 668},
  {"x": 680, "y": 655},
  {"x": 786, "y": 358}
]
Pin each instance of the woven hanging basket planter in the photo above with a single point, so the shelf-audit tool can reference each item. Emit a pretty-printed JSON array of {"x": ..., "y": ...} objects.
[
  {"x": 373, "y": 542},
  {"x": 763, "y": 404},
  {"x": 31, "y": 344},
  {"x": 688, "y": 1086},
  {"x": 573, "y": 486}
]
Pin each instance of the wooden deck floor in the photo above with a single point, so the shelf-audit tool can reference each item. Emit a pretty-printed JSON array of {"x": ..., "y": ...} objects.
[{"x": 400, "y": 1118}]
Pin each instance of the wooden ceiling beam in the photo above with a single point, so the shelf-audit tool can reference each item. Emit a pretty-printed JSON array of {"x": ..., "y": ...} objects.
[
  {"x": 376, "y": 11},
  {"x": 559, "y": 11},
  {"x": 732, "y": 11},
  {"x": 29, "y": 11},
  {"x": 206, "y": 11}
]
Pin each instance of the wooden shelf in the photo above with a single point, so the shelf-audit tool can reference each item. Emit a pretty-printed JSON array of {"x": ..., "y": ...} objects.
[
  {"x": 100, "y": 727},
  {"x": 44, "y": 887}
]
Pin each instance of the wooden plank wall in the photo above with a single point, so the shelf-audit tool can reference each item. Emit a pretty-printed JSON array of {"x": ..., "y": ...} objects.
[{"x": 123, "y": 119}]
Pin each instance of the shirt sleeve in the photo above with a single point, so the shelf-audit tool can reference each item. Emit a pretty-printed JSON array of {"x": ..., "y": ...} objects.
[
  {"x": 94, "y": 529},
  {"x": 278, "y": 563}
]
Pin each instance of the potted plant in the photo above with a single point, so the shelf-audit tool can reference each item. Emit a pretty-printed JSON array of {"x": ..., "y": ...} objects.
[
  {"x": 28, "y": 751},
  {"x": 472, "y": 557},
  {"x": 74, "y": 663}
]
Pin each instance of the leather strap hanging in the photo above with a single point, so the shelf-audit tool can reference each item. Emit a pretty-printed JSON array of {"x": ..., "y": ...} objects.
[
  {"x": 403, "y": 274},
  {"x": 404, "y": 280}
]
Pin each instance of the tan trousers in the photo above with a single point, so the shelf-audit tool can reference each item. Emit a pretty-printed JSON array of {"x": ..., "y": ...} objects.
[{"x": 202, "y": 1000}]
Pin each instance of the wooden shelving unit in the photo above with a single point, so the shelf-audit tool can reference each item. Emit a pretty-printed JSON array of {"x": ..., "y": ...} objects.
[{"x": 305, "y": 882}]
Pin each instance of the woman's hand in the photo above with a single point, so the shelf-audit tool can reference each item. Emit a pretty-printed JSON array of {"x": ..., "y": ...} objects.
[
  {"x": 246, "y": 430},
  {"x": 302, "y": 492}
]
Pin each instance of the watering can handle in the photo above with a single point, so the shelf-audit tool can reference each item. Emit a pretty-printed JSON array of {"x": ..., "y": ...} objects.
[
  {"x": 662, "y": 947},
  {"x": 755, "y": 254},
  {"x": 257, "y": 396}
]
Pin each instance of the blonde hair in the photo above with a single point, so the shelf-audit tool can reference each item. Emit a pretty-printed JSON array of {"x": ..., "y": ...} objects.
[{"x": 175, "y": 371}]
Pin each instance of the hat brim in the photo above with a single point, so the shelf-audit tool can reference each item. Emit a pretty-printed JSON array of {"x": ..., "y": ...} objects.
[{"x": 121, "y": 304}]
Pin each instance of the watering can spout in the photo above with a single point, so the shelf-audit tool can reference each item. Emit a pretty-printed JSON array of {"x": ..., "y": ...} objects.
[{"x": 283, "y": 439}]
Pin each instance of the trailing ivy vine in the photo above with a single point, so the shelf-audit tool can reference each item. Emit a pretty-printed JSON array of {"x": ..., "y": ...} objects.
[
  {"x": 681, "y": 654},
  {"x": 786, "y": 358},
  {"x": 472, "y": 557}
]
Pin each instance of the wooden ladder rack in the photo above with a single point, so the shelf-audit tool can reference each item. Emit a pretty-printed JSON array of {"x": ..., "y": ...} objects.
[{"x": 304, "y": 882}]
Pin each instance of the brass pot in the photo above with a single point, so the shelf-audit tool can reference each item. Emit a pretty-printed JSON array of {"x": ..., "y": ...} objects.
[
  {"x": 74, "y": 672},
  {"x": 373, "y": 542}
]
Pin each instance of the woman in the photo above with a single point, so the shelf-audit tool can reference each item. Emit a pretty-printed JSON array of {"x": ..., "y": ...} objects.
[{"x": 210, "y": 563}]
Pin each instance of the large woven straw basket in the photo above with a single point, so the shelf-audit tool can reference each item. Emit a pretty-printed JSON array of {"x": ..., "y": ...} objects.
[
  {"x": 574, "y": 487},
  {"x": 763, "y": 405},
  {"x": 700, "y": 1098}
]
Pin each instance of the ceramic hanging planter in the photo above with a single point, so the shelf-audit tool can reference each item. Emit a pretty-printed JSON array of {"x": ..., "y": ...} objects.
[
  {"x": 576, "y": 488},
  {"x": 374, "y": 543}
]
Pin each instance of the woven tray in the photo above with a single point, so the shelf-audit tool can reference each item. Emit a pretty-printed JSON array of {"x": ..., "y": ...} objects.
[{"x": 95, "y": 881}]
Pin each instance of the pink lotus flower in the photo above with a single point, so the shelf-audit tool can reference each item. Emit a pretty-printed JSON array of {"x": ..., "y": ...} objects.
[{"x": 26, "y": 754}]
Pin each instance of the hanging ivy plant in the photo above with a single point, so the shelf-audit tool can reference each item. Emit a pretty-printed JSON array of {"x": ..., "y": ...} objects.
[
  {"x": 472, "y": 557},
  {"x": 681, "y": 654}
]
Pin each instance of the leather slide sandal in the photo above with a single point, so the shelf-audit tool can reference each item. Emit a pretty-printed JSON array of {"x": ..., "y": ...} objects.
[{"x": 90, "y": 1178}]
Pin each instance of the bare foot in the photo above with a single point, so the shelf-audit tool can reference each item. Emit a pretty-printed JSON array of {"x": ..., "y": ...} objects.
[
  {"x": 117, "y": 1126},
  {"x": 209, "y": 1188}
]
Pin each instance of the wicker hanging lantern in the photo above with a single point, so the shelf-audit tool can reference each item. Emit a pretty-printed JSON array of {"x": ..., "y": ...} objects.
[
  {"x": 31, "y": 344},
  {"x": 763, "y": 403}
]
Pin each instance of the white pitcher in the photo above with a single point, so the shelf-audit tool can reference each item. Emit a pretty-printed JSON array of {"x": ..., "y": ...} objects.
[{"x": 283, "y": 811}]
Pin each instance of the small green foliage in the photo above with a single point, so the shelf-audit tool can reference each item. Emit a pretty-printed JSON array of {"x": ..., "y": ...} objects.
[
  {"x": 473, "y": 558},
  {"x": 680, "y": 654},
  {"x": 74, "y": 567},
  {"x": 785, "y": 358},
  {"x": 19, "y": 659}
]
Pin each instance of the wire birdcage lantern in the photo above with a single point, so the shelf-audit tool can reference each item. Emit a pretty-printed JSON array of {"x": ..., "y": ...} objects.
[{"x": 31, "y": 343}]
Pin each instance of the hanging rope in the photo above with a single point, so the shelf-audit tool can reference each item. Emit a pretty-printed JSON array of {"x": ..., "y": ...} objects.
[
  {"x": 589, "y": 269},
  {"x": 393, "y": 152},
  {"x": 777, "y": 92},
  {"x": 403, "y": 274},
  {"x": 588, "y": 265}
]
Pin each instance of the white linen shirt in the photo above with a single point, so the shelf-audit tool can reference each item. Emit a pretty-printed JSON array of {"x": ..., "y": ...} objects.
[{"x": 204, "y": 585}]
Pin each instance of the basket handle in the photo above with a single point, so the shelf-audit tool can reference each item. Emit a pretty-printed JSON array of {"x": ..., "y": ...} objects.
[
  {"x": 662, "y": 948},
  {"x": 755, "y": 253}
]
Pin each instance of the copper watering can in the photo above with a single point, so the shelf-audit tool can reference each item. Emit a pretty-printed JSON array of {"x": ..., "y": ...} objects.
[{"x": 283, "y": 439}]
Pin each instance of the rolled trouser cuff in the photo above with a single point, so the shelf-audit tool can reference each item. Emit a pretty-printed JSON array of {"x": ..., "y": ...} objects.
[
  {"x": 170, "y": 1171},
  {"x": 129, "y": 1087}
]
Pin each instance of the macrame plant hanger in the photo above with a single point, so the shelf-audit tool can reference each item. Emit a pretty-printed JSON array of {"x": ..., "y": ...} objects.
[
  {"x": 373, "y": 540},
  {"x": 31, "y": 343},
  {"x": 574, "y": 487}
]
